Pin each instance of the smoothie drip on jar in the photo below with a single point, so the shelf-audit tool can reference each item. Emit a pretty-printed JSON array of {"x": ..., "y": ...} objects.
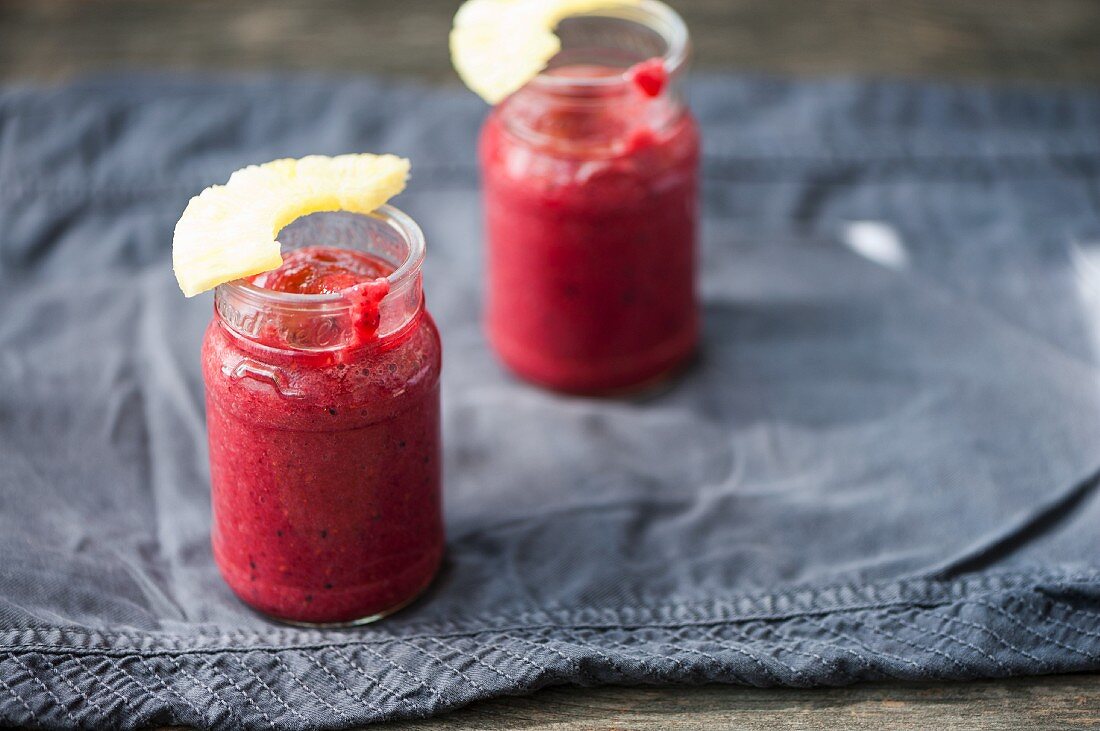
[{"x": 614, "y": 121}]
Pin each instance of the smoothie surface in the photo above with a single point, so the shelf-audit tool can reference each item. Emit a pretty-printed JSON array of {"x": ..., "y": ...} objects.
[{"x": 322, "y": 270}]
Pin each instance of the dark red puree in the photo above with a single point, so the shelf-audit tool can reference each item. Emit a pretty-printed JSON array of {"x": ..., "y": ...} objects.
[
  {"x": 323, "y": 270},
  {"x": 324, "y": 463},
  {"x": 590, "y": 195}
]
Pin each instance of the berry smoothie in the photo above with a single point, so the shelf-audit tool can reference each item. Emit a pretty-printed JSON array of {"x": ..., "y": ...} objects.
[
  {"x": 325, "y": 460},
  {"x": 590, "y": 198}
]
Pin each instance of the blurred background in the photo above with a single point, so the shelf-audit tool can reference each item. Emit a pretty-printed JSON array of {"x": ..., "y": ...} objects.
[{"x": 989, "y": 40}]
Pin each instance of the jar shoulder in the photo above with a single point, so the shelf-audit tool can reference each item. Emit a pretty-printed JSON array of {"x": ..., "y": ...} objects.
[
  {"x": 647, "y": 167},
  {"x": 282, "y": 387},
  {"x": 501, "y": 151}
]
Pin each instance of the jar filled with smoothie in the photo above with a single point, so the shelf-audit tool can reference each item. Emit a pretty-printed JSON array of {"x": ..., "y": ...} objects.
[
  {"x": 322, "y": 396},
  {"x": 590, "y": 173}
]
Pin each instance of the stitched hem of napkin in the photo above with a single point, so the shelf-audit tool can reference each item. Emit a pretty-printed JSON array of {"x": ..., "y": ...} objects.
[
  {"x": 991, "y": 627},
  {"x": 781, "y": 605}
]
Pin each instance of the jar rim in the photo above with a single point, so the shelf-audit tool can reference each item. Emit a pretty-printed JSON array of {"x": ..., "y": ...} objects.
[
  {"x": 653, "y": 14},
  {"x": 400, "y": 221}
]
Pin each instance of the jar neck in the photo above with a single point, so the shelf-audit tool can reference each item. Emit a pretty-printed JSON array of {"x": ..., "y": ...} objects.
[
  {"x": 589, "y": 99},
  {"x": 372, "y": 313}
]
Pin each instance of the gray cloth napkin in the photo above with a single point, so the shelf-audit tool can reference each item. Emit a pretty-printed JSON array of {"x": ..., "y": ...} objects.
[{"x": 883, "y": 464}]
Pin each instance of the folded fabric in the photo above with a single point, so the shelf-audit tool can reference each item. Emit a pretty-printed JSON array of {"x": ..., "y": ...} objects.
[{"x": 882, "y": 465}]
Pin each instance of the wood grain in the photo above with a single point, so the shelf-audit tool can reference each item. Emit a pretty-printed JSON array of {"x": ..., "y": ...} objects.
[
  {"x": 1062, "y": 702},
  {"x": 1053, "y": 40},
  {"x": 1056, "y": 702}
]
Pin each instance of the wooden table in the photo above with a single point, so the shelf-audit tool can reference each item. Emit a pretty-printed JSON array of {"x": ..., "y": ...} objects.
[
  {"x": 1052, "y": 40},
  {"x": 991, "y": 40}
]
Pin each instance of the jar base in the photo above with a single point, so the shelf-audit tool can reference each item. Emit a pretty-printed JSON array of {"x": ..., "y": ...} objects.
[
  {"x": 351, "y": 623},
  {"x": 578, "y": 379},
  {"x": 297, "y": 606},
  {"x": 653, "y": 385}
]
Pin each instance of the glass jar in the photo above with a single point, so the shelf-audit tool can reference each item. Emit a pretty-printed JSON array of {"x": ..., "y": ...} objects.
[
  {"x": 323, "y": 424},
  {"x": 590, "y": 182}
]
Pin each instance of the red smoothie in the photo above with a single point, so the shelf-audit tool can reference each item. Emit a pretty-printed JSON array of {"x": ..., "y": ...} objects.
[
  {"x": 322, "y": 382},
  {"x": 590, "y": 177}
]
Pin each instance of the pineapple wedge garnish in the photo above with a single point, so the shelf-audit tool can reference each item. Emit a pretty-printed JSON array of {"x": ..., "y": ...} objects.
[
  {"x": 228, "y": 231},
  {"x": 497, "y": 46}
]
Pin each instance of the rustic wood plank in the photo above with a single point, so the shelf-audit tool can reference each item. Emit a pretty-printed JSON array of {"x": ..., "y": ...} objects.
[
  {"x": 1056, "y": 702},
  {"x": 1056, "y": 40}
]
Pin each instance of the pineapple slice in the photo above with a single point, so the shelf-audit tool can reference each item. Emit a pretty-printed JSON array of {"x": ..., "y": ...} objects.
[
  {"x": 228, "y": 231},
  {"x": 497, "y": 46}
]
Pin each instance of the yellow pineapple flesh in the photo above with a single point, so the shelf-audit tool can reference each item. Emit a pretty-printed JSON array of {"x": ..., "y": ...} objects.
[
  {"x": 229, "y": 231},
  {"x": 497, "y": 46}
]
